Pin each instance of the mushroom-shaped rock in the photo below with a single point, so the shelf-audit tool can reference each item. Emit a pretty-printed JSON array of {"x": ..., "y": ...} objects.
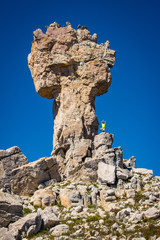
[{"x": 69, "y": 66}]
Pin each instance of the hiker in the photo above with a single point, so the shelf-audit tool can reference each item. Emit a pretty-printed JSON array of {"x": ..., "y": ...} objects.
[{"x": 103, "y": 126}]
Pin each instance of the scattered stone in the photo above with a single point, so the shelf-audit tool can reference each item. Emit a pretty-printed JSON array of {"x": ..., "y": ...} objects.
[
  {"x": 59, "y": 230},
  {"x": 123, "y": 213},
  {"x": 78, "y": 233},
  {"x": 152, "y": 213},
  {"x": 130, "y": 193}
]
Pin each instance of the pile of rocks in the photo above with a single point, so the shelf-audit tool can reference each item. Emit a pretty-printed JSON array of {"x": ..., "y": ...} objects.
[
  {"x": 19, "y": 176},
  {"x": 69, "y": 210}
]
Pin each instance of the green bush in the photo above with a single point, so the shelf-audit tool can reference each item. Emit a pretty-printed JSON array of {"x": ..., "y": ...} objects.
[{"x": 26, "y": 211}]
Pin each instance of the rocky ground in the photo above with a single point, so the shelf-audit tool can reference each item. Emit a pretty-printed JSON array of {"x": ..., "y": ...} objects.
[{"x": 65, "y": 210}]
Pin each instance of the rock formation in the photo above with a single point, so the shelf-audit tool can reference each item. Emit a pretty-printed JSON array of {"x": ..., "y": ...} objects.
[
  {"x": 103, "y": 197},
  {"x": 10, "y": 159},
  {"x": 25, "y": 179},
  {"x": 69, "y": 66}
]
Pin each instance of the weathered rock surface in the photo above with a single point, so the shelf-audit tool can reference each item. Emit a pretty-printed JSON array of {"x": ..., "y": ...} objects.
[
  {"x": 49, "y": 217},
  {"x": 9, "y": 160},
  {"x": 44, "y": 197},
  {"x": 59, "y": 230},
  {"x": 26, "y": 226},
  {"x": 106, "y": 173},
  {"x": 70, "y": 197},
  {"x": 25, "y": 179},
  {"x": 102, "y": 142},
  {"x": 69, "y": 66},
  {"x": 10, "y": 209},
  {"x": 152, "y": 213},
  {"x": 142, "y": 171}
]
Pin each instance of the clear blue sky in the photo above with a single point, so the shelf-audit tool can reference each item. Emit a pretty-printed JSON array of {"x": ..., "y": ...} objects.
[{"x": 131, "y": 106}]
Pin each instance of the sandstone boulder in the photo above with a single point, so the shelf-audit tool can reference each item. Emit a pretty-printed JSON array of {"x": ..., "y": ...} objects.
[
  {"x": 152, "y": 213},
  {"x": 107, "y": 195},
  {"x": 122, "y": 173},
  {"x": 11, "y": 209},
  {"x": 27, "y": 225},
  {"x": 86, "y": 172},
  {"x": 49, "y": 217},
  {"x": 130, "y": 193},
  {"x": 44, "y": 197},
  {"x": 102, "y": 142},
  {"x": 3, "y": 231},
  {"x": 9, "y": 160},
  {"x": 106, "y": 173},
  {"x": 59, "y": 230},
  {"x": 132, "y": 162},
  {"x": 142, "y": 171},
  {"x": 123, "y": 213},
  {"x": 70, "y": 197},
  {"x": 25, "y": 179}
]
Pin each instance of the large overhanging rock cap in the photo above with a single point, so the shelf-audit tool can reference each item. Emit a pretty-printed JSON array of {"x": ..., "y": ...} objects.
[{"x": 64, "y": 55}]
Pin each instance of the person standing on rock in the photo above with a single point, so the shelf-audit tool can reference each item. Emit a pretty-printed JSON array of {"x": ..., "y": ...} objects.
[{"x": 103, "y": 126}]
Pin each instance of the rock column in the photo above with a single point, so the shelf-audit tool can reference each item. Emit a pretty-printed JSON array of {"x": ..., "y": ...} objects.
[{"x": 69, "y": 66}]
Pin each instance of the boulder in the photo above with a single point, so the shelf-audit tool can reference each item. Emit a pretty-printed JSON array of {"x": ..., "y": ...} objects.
[
  {"x": 123, "y": 213},
  {"x": 152, "y": 213},
  {"x": 102, "y": 142},
  {"x": 70, "y": 197},
  {"x": 142, "y": 171},
  {"x": 26, "y": 226},
  {"x": 132, "y": 162},
  {"x": 49, "y": 217},
  {"x": 106, "y": 173},
  {"x": 25, "y": 179},
  {"x": 107, "y": 195},
  {"x": 3, "y": 231},
  {"x": 130, "y": 193},
  {"x": 86, "y": 172},
  {"x": 11, "y": 235},
  {"x": 9, "y": 160},
  {"x": 44, "y": 197},
  {"x": 122, "y": 173},
  {"x": 111, "y": 156},
  {"x": 59, "y": 230},
  {"x": 11, "y": 209}
]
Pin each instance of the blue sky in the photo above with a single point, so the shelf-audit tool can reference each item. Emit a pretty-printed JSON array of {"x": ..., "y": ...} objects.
[{"x": 131, "y": 106}]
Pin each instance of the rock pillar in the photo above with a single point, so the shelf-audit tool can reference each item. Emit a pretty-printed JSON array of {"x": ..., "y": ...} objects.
[{"x": 69, "y": 66}]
